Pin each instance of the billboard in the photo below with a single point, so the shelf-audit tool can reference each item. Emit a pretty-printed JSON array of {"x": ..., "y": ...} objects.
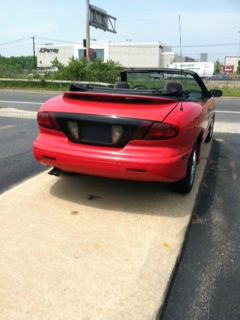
[
  {"x": 99, "y": 18},
  {"x": 203, "y": 69}
]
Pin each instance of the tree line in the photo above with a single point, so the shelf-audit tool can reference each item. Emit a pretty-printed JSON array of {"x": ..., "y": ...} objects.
[
  {"x": 76, "y": 70},
  {"x": 12, "y": 67}
]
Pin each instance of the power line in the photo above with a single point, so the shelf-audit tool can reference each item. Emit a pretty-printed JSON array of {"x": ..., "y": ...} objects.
[
  {"x": 206, "y": 45},
  {"x": 172, "y": 46},
  {"x": 13, "y": 41},
  {"x": 213, "y": 53},
  {"x": 24, "y": 44},
  {"x": 54, "y": 40}
]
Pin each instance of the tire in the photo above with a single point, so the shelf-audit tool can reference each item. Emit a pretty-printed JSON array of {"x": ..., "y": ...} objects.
[
  {"x": 185, "y": 185},
  {"x": 210, "y": 131}
]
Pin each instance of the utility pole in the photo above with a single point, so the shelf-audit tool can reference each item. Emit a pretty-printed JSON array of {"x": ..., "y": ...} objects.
[
  {"x": 239, "y": 44},
  {"x": 87, "y": 35},
  {"x": 34, "y": 54},
  {"x": 180, "y": 37}
]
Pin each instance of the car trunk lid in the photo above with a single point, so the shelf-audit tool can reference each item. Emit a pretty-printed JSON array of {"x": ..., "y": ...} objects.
[
  {"x": 119, "y": 105},
  {"x": 108, "y": 119}
]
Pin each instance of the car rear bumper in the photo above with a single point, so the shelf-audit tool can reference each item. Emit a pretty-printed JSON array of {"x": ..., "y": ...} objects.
[{"x": 140, "y": 163}]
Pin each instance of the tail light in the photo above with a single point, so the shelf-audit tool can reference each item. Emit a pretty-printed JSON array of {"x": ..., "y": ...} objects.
[
  {"x": 47, "y": 120},
  {"x": 161, "y": 131}
]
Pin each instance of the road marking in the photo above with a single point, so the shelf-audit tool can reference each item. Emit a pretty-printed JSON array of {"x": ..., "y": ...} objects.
[
  {"x": 227, "y": 127},
  {"x": 16, "y": 113},
  {"x": 7, "y": 127},
  {"x": 21, "y": 102},
  {"x": 228, "y": 112}
]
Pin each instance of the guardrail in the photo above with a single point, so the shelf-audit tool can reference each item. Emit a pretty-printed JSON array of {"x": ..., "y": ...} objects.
[
  {"x": 41, "y": 81},
  {"x": 61, "y": 83},
  {"x": 222, "y": 83}
]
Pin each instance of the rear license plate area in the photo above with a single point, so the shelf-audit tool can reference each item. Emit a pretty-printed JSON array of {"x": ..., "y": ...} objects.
[{"x": 95, "y": 134}]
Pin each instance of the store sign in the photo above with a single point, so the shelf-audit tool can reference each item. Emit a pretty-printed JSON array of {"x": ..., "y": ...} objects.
[
  {"x": 48, "y": 50},
  {"x": 228, "y": 68}
]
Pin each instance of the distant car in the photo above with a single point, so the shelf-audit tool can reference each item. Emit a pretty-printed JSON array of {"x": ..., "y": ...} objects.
[{"x": 150, "y": 126}]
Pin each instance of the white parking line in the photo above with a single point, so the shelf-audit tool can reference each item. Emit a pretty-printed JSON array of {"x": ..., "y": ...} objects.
[
  {"x": 7, "y": 127},
  {"x": 16, "y": 113},
  {"x": 227, "y": 127},
  {"x": 21, "y": 102},
  {"x": 227, "y": 112}
]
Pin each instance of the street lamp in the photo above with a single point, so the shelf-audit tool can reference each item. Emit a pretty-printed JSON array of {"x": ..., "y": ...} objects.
[{"x": 239, "y": 45}]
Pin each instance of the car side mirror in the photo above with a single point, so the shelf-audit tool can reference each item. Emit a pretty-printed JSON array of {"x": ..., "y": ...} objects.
[{"x": 215, "y": 93}]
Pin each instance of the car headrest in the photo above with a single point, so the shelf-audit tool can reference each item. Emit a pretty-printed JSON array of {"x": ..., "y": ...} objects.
[
  {"x": 174, "y": 87},
  {"x": 122, "y": 85}
]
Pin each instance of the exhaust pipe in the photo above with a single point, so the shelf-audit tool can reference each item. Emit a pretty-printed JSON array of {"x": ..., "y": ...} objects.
[{"x": 55, "y": 172}]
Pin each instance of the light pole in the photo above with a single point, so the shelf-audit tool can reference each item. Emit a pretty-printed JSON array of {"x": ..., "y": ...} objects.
[
  {"x": 87, "y": 30},
  {"x": 239, "y": 45},
  {"x": 34, "y": 54}
]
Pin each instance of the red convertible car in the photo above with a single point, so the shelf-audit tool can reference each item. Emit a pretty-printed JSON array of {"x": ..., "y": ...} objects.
[{"x": 149, "y": 126}]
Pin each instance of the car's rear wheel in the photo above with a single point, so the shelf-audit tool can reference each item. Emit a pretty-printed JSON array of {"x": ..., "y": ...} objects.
[
  {"x": 185, "y": 185},
  {"x": 210, "y": 131}
]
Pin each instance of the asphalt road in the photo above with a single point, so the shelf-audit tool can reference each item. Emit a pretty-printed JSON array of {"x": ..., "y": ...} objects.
[
  {"x": 206, "y": 284},
  {"x": 16, "y": 160},
  {"x": 29, "y": 101},
  {"x": 17, "y": 136}
]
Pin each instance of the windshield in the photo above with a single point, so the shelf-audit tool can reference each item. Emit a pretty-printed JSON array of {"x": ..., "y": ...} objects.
[{"x": 173, "y": 84}]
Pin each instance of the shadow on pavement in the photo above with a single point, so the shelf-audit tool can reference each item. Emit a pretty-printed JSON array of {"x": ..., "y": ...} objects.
[{"x": 117, "y": 195}]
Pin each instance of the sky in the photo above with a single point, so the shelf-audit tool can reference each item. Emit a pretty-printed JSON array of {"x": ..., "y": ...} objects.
[{"x": 211, "y": 26}]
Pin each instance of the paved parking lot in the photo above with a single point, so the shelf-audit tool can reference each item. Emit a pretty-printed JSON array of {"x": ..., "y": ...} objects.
[{"x": 43, "y": 246}]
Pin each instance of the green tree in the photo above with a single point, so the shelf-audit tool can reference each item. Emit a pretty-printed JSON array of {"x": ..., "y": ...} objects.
[
  {"x": 238, "y": 67},
  {"x": 217, "y": 67},
  {"x": 13, "y": 67},
  {"x": 84, "y": 70},
  {"x": 58, "y": 65}
]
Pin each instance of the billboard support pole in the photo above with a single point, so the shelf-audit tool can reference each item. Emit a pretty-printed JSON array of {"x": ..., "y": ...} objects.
[{"x": 97, "y": 18}]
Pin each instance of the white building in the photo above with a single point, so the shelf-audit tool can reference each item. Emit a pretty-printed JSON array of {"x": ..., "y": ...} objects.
[
  {"x": 232, "y": 61},
  {"x": 48, "y": 52},
  {"x": 128, "y": 54},
  {"x": 139, "y": 55}
]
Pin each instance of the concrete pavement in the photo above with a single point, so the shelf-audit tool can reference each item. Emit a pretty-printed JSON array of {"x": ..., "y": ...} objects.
[{"x": 80, "y": 247}]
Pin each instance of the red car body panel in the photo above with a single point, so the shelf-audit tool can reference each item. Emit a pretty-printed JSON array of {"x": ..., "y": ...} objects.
[
  {"x": 133, "y": 162},
  {"x": 152, "y": 109},
  {"x": 138, "y": 159}
]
